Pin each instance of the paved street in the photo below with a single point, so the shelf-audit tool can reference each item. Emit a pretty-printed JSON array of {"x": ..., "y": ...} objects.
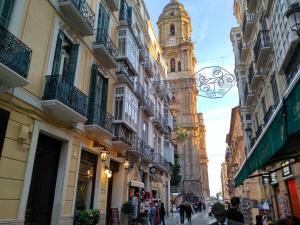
[{"x": 197, "y": 219}]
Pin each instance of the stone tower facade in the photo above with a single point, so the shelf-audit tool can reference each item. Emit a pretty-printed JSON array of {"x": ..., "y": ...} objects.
[{"x": 178, "y": 50}]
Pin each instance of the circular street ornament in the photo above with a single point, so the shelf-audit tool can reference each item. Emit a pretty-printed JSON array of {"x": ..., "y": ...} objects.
[{"x": 152, "y": 170}]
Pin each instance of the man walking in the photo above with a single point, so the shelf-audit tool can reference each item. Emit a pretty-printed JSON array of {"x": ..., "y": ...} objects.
[
  {"x": 233, "y": 212},
  {"x": 181, "y": 212},
  {"x": 219, "y": 212}
]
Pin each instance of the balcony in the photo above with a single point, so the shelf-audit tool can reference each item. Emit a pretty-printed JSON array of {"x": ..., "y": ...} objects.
[
  {"x": 99, "y": 126},
  {"x": 254, "y": 76},
  {"x": 113, "y": 4},
  {"x": 142, "y": 54},
  {"x": 158, "y": 122},
  {"x": 244, "y": 50},
  {"x": 105, "y": 49},
  {"x": 269, "y": 114},
  {"x": 249, "y": 96},
  {"x": 251, "y": 4},
  {"x": 143, "y": 150},
  {"x": 124, "y": 138},
  {"x": 64, "y": 101},
  {"x": 248, "y": 22},
  {"x": 79, "y": 15},
  {"x": 15, "y": 60},
  {"x": 149, "y": 67},
  {"x": 140, "y": 93},
  {"x": 259, "y": 130},
  {"x": 162, "y": 163},
  {"x": 149, "y": 107},
  {"x": 160, "y": 87},
  {"x": 262, "y": 48},
  {"x": 124, "y": 74}
]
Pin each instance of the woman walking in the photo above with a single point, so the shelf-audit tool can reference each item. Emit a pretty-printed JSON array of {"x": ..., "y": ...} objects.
[
  {"x": 162, "y": 213},
  {"x": 188, "y": 213}
]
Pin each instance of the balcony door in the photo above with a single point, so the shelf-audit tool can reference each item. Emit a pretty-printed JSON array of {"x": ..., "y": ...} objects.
[
  {"x": 6, "y": 7},
  {"x": 102, "y": 25}
]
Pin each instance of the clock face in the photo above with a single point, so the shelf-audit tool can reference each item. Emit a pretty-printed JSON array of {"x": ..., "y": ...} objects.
[{"x": 152, "y": 170}]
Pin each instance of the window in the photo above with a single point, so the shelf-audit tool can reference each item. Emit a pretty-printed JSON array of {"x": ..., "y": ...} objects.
[
  {"x": 65, "y": 58},
  {"x": 179, "y": 66},
  {"x": 275, "y": 91},
  {"x": 86, "y": 181},
  {"x": 4, "y": 116},
  {"x": 145, "y": 132},
  {"x": 172, "y": 65},
  {"x": 172, "y": 30},
  {"x": 6, "y": 7}
]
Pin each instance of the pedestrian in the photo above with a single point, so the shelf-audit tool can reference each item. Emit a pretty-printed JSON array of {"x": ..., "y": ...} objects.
[
  {"x": 162, "y": 213},
  {"x": 152, "y": 214},
  {"x": 188, "y": 213},
  {"x": 181, "y": 208},
  {"x": 259, "y": 220},
  {"x": 204, "y": 207},
  {"x": 200, "y": 206},
  {"x": 233, "y": 212},
  {"x": 219, "y": 212},
  {"x": 157, "y": 217}
]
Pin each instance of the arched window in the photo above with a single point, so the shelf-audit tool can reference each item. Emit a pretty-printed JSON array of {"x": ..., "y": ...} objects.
[
  {"x": 172, "y": 65},
  {"x": 179, "y": 66},
  {"x": 172, "y": 30}
]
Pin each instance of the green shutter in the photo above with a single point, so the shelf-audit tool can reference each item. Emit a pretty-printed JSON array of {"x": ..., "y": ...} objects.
[
  {"x": 103, "y": 20},
  {"x": 6, "y": 7},
  {"x": 92, "y": 94},
  {"x": 104, "y": 99},
  {"x": 57, "y": 55},
  {"x": 72, "y": 63}
]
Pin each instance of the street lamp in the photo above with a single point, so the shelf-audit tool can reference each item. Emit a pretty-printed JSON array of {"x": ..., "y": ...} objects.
[{"x": 293, "y": 16}]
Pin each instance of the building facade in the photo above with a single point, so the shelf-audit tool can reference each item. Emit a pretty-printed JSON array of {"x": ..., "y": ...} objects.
[
  {"x": 83, "y": 123},
  {"x": 266, "y": 56},
  {"x": 178, "y": 50}
]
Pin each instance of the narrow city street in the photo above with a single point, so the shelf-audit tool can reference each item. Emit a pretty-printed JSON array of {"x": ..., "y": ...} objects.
[{"x": 197, "y": 219}]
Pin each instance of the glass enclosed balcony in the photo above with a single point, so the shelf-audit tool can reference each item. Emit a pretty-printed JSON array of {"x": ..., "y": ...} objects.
[
  {"x": 262, "y": 48},
  {"x": 79, "y": 15},
  {"x": 15, "y": 59},
  {"x": 64, "y": 101}
]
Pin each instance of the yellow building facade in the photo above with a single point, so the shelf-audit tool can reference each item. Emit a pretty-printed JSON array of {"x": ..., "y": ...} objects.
[{"x": 77, "y": 110}]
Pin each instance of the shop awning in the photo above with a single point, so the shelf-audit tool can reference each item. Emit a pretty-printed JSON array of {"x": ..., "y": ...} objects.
[{"x": 277, "y": 138}]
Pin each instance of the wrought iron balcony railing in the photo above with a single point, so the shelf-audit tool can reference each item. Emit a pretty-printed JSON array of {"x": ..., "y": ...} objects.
[
  {"x": 124, "y": 71},
  {"x": 253, "y": 71},
  {"x": 13, "y": 53},
  {"x": 269, "y": 114},
  {"x": 149, "y": 106},
  {"x": 102, "y": 37},
  {"x": 259, "y": 130},
  {"x": 123, "y": 134},
  {"x": 140, "y": 91},
  {"x": 85, "y": 10},
  {"x": 57, "y": 88},
  {"x": 142, "y": 148},
  {"x": 102, "y": 119},
  {"x": 263, "y": 41},
  {"x": 248, "y": 18}
]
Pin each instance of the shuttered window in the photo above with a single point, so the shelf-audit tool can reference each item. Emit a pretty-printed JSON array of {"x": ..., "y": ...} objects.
[
  {"x": 6, "y": 7},
  {"x": 4, "y": 116}
]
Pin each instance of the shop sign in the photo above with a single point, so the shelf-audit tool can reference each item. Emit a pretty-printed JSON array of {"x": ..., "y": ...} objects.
[
  {"x": 138, "y": 184},
  {"x": 286, "y": 169},
  {"x": 266, "y": 179},
  {"x": 273, "y": 178}
]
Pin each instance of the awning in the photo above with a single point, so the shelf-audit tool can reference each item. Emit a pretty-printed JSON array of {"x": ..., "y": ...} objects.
[{"x": 277, "y": 138}]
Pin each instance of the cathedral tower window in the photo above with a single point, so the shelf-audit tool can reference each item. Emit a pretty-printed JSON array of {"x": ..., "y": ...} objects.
[
  {"x": 172, "y": 65},
  {"x": 172, "y": 30},
  {"x": 179, "y": 66}
]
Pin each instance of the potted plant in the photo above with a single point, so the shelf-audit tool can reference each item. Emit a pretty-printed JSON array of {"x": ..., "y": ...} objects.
[
  {"x": 182, "y": 135},
  {"x": 86, "y": 217},
  {"x": 127, "y": 208}
]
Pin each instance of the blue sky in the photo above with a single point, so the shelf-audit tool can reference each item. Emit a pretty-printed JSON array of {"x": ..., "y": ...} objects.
[{"x": 211, "y": 21}]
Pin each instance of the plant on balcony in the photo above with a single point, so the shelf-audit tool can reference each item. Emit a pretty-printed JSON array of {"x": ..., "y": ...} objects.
[
  {"x": 182, "y": 135},
  {"x": 127, "y": 207},
  {"x": 87, "y": 217}
]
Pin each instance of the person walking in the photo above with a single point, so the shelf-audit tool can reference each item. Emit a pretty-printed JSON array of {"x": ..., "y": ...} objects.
[
  {"x": 259, "y": 220},
  {"x": 162, "y": 213},
  {"x": 152, "y": 213},
  {"x": 233, "y": 212},
  {"x": 219, "y": 212},
  {"x": 181, "y": 208},
  {"x": 188, "y": 213}
]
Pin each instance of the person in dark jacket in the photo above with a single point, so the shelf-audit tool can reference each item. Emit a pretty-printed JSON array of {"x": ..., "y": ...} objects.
[
  {"x": 188, "y": 213},
  {"x": 181, "y": 212},
  {"x": 219, "y": 212},
  {"x": 162, "y": 213},
  {"x": 233, "y": 212}
]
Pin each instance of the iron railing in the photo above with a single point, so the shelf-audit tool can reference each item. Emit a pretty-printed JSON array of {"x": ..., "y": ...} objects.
[
  {"x": 141, "y": 147},
  {"x": 103, "y": 119},
  {"x": 122, "y": 133},
  {"x": 263, "y": 41},
  {"x": 269, "y": 114},
  {"x": 149, "y": 106},
  {"x": 124, "y": 70},
  {"x": 248, "y": 18},
  {"x": 14, "y": 53},
  {"x": 148, "y": 66},
  {"x": 253, "y": 71},
  {"x": 140, "y": 90},
  {"x": 85, "y": 10},
  {"x": 102, "y": 37},
  {"x": 58, "y": 88}
]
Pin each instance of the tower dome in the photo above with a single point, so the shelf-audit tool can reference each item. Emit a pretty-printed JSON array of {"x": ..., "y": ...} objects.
[{"x": 174, "y": 8}]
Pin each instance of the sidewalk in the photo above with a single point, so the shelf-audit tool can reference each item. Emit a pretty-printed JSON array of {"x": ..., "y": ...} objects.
[{"x": 175, "y": 220}]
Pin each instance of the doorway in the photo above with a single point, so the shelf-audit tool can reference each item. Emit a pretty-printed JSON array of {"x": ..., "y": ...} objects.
[{"x": 43, "y": 181}]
